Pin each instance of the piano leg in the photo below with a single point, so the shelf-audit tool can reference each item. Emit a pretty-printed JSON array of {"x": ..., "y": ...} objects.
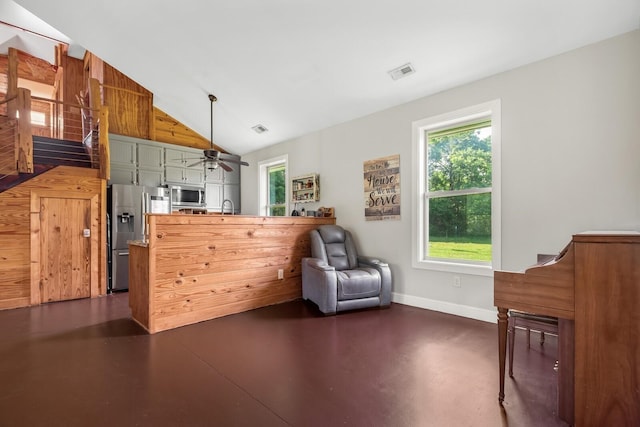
[
  {"x": 502, "y": 347},
  {"x": 566, "y": 370}
]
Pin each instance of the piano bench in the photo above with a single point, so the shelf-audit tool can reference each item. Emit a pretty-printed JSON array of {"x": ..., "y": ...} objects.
[{"x": 529, "y": 321}]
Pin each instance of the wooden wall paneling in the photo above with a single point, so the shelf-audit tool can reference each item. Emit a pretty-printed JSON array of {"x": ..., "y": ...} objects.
[
  {"x": 213, "y": 265},
  {"x": 19, "y": 256},
  {"x": 35, "y": 69},
  {"x": 72, "y": 85},
  {"x": 133, "y": 113},
  {"x": 4, "y": 71},
  {"x": 152, "y": 263},
  {"x": 131, "y": 102},
  {"x": 93, "y": 67},
  {"x": 171, "y": 131},
  {"x": 139, "y": 300},
  {"x": 35, "y": 284},
  {"x": 8, "y": 144},
  {"x": 102, "y": 227}
]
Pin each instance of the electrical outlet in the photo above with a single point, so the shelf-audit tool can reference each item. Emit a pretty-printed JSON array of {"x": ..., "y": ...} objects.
[
  {"x": 280, "y": 274},
  {"x": 456, "y": 282}
]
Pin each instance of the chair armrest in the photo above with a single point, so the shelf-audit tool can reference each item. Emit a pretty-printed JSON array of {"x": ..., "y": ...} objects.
[
  {"x": 370, "y": 261},
  {"x": 385, "y": 276},
  {"x": 320, "y": 284},
  {"x": 318, "y": 264}
]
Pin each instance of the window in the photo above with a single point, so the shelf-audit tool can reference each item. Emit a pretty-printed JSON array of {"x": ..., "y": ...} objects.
[
  {"x": 273, "y": 187},
  {"x": 457, "y": 176},
  {"x": 38, "y": 118}
]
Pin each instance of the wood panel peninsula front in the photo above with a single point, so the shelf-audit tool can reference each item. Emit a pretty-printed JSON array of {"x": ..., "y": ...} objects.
[{"x": 199, "y": 267}]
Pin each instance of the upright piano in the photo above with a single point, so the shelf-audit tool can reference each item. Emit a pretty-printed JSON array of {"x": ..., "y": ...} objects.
[{"x": 593, "y": 287}]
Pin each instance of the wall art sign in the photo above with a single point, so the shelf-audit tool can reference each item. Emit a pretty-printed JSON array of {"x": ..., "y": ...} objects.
[{"x": 382, "y": 188}]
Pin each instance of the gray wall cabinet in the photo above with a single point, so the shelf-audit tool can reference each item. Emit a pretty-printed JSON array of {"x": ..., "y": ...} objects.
[{"x": 142, "y": 162}]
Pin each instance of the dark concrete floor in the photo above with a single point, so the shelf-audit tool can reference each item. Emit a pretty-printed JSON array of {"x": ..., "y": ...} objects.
[{"x": 86, "y": 363}]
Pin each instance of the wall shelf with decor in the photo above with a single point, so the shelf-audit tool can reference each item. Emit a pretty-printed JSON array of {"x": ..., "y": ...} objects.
[{"x": 305, "y": 188}]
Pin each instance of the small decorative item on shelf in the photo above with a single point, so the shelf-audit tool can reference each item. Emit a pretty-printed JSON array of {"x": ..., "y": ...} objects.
[
  {"x": 305, "y": 188},
  {"x": 326, "y": 212}
]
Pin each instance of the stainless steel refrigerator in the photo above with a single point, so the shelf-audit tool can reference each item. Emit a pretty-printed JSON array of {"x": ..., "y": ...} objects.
[{"x": 127, "y": 206}]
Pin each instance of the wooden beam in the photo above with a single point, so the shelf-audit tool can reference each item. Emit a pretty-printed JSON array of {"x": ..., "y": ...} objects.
[
  {"x": 95, "y": 100},
  {"x": 12, "y": 82},
  {"x": 25, "y": 137},
  {"x": 103, "y": 143}
]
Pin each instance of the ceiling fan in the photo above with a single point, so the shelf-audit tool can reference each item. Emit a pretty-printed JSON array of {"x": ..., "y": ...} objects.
[{"x": 213, "y": 158}]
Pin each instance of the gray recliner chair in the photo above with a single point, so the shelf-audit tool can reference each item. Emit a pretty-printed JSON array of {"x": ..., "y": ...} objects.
[{"x": 337, "y": 279}]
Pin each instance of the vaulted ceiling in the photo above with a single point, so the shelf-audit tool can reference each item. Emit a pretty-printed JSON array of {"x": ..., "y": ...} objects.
[{"x": 296, "y": 66}]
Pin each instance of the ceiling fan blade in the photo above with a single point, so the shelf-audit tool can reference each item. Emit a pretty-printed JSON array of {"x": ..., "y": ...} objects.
[
  {"x": 225, "y": 166},
  {"x": 232, "y": 160},
  {"x": 196, "y": 163}
]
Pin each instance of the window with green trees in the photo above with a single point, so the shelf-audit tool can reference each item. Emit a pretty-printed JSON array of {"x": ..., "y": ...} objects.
[
  {"x": 458, "y": 192},
  {"x": 276, "y": 187}
]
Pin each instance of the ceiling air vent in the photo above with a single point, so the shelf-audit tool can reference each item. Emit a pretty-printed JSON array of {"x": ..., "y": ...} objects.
[
  {"x": 259, "y": 128},
  {"x": 402, "y": 71}
]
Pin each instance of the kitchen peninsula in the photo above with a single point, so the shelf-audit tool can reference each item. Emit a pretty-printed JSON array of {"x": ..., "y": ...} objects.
[{"x": 198, "y": 267}]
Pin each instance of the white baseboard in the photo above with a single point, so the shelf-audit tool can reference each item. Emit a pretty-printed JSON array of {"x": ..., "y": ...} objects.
[{"x": 447, "y": 307}]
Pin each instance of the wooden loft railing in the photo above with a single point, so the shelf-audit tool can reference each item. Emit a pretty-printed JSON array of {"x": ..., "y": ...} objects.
[{"x": 63, "y": 121}]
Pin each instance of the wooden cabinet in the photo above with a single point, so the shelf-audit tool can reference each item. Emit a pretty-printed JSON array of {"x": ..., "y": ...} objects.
[{"x": 305, "y": 188}]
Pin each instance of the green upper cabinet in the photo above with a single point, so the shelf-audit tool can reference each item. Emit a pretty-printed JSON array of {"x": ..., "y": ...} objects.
[
  {"x": 150, "y": 156},
  {"x": 122, "y": 152}
]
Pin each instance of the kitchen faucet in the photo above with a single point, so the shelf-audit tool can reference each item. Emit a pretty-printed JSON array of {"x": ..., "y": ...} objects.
[{"x": 233, "y": 210}]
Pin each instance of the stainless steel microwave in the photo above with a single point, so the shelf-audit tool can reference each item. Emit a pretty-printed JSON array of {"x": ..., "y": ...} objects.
[{"x": 187, "y": 196}]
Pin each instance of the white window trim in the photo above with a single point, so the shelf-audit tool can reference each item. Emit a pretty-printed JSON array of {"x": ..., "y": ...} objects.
[
  {"x": 263, "y": 182},
  {"x": 490, "y": 109}
]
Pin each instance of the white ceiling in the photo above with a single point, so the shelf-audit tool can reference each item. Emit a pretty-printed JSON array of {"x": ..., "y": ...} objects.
[{"x": 296, "y": 66}]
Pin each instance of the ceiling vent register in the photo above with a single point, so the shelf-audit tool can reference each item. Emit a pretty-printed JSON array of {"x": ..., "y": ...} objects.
[{"x": 402, "y": 71}]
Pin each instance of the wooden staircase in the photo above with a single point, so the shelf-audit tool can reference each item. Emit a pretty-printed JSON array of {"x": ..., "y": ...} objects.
[
  {"x": 47, "y": 154},
  {"x": 58, "y": 152}
]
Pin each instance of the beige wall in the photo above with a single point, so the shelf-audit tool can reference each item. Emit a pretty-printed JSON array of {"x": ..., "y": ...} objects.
[{"x": 570, "y": 150}]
